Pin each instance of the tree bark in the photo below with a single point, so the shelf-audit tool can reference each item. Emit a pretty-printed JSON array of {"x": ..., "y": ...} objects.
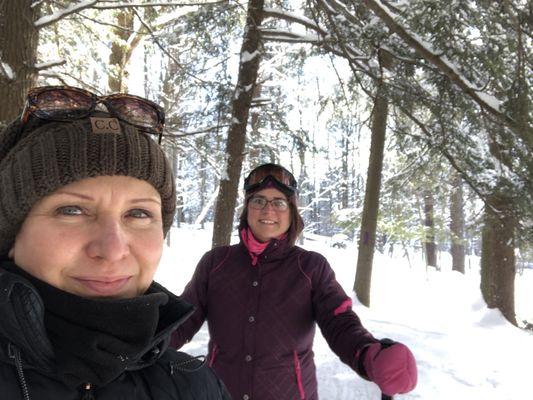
[
  {"x": 498, "y": 258},
  {"x": 367, "y": 236},
  {"x": 498, "y": 243},
  {"x": 18, "y": 55},
  {"x": 457, "y": 225},
  {"x": 248, "y": 69},
  {"x": 120, "y": 51},
  {"x": 429, "y": 232}
]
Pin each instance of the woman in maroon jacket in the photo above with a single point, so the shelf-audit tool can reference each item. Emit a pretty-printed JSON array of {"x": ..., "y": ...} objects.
[{"x": 263, "y": 298}]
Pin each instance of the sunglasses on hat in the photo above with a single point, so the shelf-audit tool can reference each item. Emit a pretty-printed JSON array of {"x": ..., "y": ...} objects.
[
  {"x": 274, "y": 173},
  {"x": 66, "y": 103}
]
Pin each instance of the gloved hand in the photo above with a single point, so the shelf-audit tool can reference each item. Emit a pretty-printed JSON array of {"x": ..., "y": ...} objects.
[{"x": 392, "y": 366}]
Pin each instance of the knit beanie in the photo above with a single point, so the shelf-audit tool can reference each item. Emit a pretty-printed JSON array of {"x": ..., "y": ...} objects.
[{"x": 40, "y": 157}]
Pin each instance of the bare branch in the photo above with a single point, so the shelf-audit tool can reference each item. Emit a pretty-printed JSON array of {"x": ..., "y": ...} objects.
[
  {"x": 166, "y": 4},
  {"x": 164, "y": 50},
  {"x": 60, "y": 14},
  {"x": 44, "y": 66},
  {"x": 275, "y": 35},
  {"x": 270, "y": 12}
]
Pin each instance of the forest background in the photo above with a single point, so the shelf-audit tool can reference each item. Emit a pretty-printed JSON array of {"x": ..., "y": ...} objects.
[{"x": 408, "y": 124}]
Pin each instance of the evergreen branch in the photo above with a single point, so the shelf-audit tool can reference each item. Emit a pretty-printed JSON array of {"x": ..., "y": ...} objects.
[
  {"x": 446, "y": 68},
  {"x": 444, "y": 152}
]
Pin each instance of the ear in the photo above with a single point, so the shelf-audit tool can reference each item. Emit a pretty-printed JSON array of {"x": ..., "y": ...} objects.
[{"x": 11, "y": 253}]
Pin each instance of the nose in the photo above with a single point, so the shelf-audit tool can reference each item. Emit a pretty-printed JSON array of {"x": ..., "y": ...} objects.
[{"x": 109, "y": 241}]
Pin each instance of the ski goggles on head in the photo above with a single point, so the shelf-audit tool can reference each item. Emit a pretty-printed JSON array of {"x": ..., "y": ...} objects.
[
  {"x": 275, "y": 174},
  {"x": 65, "y": 103}
]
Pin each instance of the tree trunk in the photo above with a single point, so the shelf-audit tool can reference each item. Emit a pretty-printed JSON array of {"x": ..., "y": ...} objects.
[
  {"x": 429, "y": 232},
  {"x": 457, "y": 224},
  {"x": 120, "y": 51},
  {"x": 345, "y": 189},
  {"x": 498, "y": 258},
  {"x": 18, "y": 55},
  {"x": 367, "y": 236},
  {"x": 498, "y": 244},
  {"x": 248, "y": 69}
]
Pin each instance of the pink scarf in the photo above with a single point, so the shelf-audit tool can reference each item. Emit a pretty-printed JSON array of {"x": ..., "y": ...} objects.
[{"x": 254, "y": 246}]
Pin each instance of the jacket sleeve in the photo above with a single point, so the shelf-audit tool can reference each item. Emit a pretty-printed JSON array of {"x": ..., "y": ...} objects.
[
  {"x": 195, "y": 293},
  {"x": 340, "y": 326}
]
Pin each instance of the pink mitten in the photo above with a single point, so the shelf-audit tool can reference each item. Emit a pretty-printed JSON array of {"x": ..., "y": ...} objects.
[{"x": 392, "y": 366}]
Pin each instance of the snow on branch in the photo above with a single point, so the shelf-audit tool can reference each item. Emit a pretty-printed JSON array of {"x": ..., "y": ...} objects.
[
  {"x": 49, "y": 64},
  {"x": 485, "y": 101},
  {"x": 276, "y": 35},
  {"x": 85, "y": 4},
  {"x": 60, "y": 14},
  {"x": 291, "y": 17}
]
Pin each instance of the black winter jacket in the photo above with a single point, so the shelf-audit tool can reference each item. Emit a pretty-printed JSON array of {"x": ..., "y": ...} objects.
[{"x": 27, "y": 366}]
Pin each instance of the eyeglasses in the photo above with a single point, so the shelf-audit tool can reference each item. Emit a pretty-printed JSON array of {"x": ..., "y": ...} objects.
[
  {"x": 259, "y": 203},
  {"x": 65, "y": 103},
  {"x": 279, "y": 176}
]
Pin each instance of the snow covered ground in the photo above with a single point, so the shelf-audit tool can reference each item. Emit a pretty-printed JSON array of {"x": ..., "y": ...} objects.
[{"x": 463, "y": 350}]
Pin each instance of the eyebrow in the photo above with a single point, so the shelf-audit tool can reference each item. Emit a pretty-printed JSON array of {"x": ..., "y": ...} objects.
[{"x": 87, "y": 197}]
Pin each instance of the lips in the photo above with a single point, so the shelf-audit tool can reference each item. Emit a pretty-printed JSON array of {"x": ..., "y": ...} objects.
[{"x": 105, "y": 286}]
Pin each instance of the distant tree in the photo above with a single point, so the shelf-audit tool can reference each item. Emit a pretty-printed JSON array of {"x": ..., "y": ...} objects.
[
  {"x": 457, "y": 222},
  {"x": 429, "y": 228}
]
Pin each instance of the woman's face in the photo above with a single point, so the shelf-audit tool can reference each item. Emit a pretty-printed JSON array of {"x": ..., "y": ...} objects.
[
  {"x": 268, "y": 223},
  {"x": 97, "y": 237}
]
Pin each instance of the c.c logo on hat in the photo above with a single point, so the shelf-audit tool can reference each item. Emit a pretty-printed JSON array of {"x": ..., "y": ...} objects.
[{"x": 105, "y": 125}]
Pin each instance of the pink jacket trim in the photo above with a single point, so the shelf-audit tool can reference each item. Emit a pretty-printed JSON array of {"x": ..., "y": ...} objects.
[
  {"x": 213, "y": 356},
  {"x": 345, "y": 306},
  {"x": 298, "y": 371}
]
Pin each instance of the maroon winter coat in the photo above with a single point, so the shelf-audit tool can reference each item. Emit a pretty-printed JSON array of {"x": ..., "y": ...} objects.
[{"x": 262, "y": 318}]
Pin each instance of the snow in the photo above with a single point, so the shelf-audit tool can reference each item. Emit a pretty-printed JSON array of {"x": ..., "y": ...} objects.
[
  {"x": 247, "y": 56},
  {"x": 57, "y": 15},
  {"x": 463, "y": 349},
  {"x": 7, "y": 70},
  {"x": 49, "y": 64}
]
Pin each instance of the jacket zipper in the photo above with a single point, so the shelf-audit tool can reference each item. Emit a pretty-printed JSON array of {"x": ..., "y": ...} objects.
[
  {"x": 298, "y": 370},
  {"x": 14, "y": 354},
  {"x": 87, "y": 392}
]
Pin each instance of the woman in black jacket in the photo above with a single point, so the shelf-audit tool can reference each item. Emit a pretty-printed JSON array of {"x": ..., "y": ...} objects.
[{"x": 86, "y": 200}]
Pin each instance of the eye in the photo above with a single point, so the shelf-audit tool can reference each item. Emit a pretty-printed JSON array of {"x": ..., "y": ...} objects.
[
  {"x": 139, "y": 213},
  {"x": 280, "y": 204},
  {"x": 257, "y": 202},
  {"x": 69, "y": 211}
]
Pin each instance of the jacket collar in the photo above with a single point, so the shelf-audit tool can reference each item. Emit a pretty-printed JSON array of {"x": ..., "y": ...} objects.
[
  {"x": 276, "y": 250},
  {"x": 22, "y": 315}
]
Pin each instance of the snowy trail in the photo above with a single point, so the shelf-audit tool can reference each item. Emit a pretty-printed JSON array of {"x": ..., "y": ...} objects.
[{"x": 463, "y": 350}]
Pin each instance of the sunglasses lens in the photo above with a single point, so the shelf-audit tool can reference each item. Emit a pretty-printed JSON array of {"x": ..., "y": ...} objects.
[
  {"x": 135, "y": 111},
  {"x": 63, "y": 104}
]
